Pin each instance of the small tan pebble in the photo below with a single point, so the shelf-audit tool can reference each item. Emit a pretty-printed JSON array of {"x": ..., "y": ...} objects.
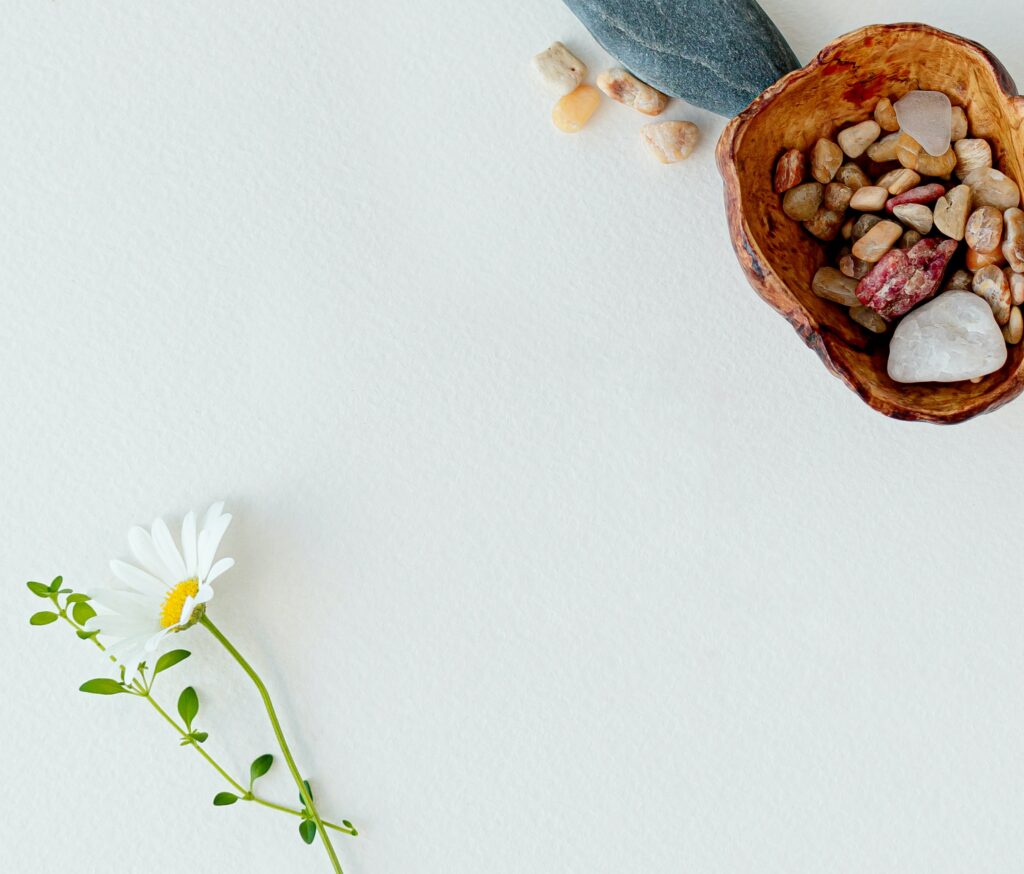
[
  {"x": 574, "y": 110},
  {"x": 917, "y": 215},
  {"x": 912, "y": 156},
  {"x": 984, "y": 231},
  {"x": 990, "y": 283},
  {"x": 907, "y": 150},
  {"x": 876, "y": 242},
  {"x": 830, "y": 284},
  {"x": 670, "y": 141},
  {"x": 826, "y": 158},
  {"x": 855, "y": 268},
  {"x": 837, "y": 196},
  {"x": 958, "y": 129},
  {"x": 868, "y": 318},
  {"x": 846, "y": 231},
  {"x": 864, "y": 224},
  {"x": 558, "y": 69},
  {"x": 899, "y": 181},
  {"x": 790, "y": 170},
  {"x": 1016, "y": 283},
  {"x": 855, "y": 140},
  {"x": 910, "y": 239},
  {"x": 972, "y": 155},
  {"x": 951, "y": 212},
  {"x": 869, "y": 198},
  {"x": 993, "y": 188},
  {"x": 802, "y": 202},
  {"x": 1013, "y": 245},
  {"x": 825, "y": 224},
  {"x": 852, "y": 176},
  {"x": 623, "y": 87},
  {"x": 885, "y": 149},
  {"x": 959, "y": 281},
  {"x": 976, "y": 380},
  {"x": 1013, "y": 330},
  {"x": 977, "y": 260},
  {"x": 885, "y": 115}
]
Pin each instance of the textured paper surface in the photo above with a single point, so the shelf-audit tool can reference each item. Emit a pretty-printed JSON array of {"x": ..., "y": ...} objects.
[{"x": 558, "y": 550}]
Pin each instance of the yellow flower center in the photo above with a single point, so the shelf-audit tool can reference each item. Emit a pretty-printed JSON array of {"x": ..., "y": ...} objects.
[{"x": 170, "y": 613}]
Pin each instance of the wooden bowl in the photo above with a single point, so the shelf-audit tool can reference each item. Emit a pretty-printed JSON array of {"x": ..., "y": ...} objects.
[{"x": 841, "y": 86}]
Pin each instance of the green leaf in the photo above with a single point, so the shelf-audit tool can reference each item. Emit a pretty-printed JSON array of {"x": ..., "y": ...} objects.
[
  {"x": 78, "y": 596},
  {"x": 170, "y": 659},
  {"x": 199, "y": 736},
  {"x": 310, "y": 791},
  {"x": 39, "y": 589},
  {"x": 188, "y": 706},
  {"x": 43, "y": 617},
  {"x": 82, "y": 612},
  {"x": 56, "y": 584},
  {"x": 102, "y": 686},
  {"x": 307, "y": 828},
  {"x": 85, "y": 635},
  {"x": 259, "y": 767},
  {"x": 223, "y": 799}
]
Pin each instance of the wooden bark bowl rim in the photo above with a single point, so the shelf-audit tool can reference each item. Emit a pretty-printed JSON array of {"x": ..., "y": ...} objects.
[{"x": 836, "y": 80}]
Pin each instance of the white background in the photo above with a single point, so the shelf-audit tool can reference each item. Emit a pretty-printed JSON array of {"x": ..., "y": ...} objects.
[{"x": 558, "y": 550}]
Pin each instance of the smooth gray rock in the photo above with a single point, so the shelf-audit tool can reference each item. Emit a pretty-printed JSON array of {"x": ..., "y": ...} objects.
[{"x": 717, "y": 54}]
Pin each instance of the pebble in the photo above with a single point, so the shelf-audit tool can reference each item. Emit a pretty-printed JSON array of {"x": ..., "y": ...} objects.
[
  {"x": 990, "y": 187},
  {"x": 1013, "y": 330},
  {"x": 990, "y": 283},
  {"x": 972, "y": 155},
  {"x": 1016, "y": 283},
  {"x": 958, "y": 126},
  {"x": 790, "y": 170},
  {"x": 825, "y": 224},
  {"x": 852, "y": 176},
  {"x": 910, "y": 239},
  {"x": 855, "y": 268},
  {"x": 802, "y": 202},
  {"x": 837, "y": 196},
  {"x": 917, "y": 215},
  {"x": 922, "y": 194},
  {"x": 886, "y": 149},
  {"x": 951, "y": 211},
  {"x": 670, "y": 141},
  {"x": 855, "y": 140},
  {"x": 847, "y": 229},
  {"x": 927, "y": 116},
  {"x": 984, "y": 230},
  {"x": 898, "y": 181},
  {"x": 869, "y": 198},
  {"x": 976, "y": 260},
  {"x": 573, "y": 111},
  {"x": 868, "y": 318},
  {"x": 826, "y": 158},
  {"x": 912, "y": 156},
  {"x": 902, "y": 279},
  {"x": 949, "y": 339},
  {"x": 1013, "y": 245},
  {"x": 864, "y": 224},
  {"x": 558, "y": 69},
  {"x": 960, "y": 281},
  {"x": 885, "y": 115},
  {"x": 876, "y": 242},
  {"x": 623, "y": 87},
  {"x": 830, "y": 284}
]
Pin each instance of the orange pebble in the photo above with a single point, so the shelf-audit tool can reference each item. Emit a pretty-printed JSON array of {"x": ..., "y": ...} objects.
[{"x": 575, "y": 108}]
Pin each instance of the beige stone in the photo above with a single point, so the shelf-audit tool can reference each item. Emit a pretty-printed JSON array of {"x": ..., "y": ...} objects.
[
  {"x": 825, "y": 224},
  {"x": 1013, "y": 330},
  {"x": 984, "y": 231},
  {"x": 885, "y": 149},
  {"x": 1013, "y": 244},
  {"x": 855, "y": 140},
  {"x": 898, "y": 181},
  {"x": 958, "y": 129},
  {"x": 558, "y": 69},
  {"x": 870, "y": 198},
  {"x": 990, "y": 187},
  {"x": 623, "y": 87},
  {"x": 852, "y": 176},
  {"x": 917, "y": 215},
  {"x": 837, "y": 196},
  {"x": 574, "y": 110},
  {"x": 951, "y": 212},
  {"x": 990, "y": 283},
  {"x": 885, "y": 115},
  {"x": 802, "y": 202},
  {"x": 826, "y": 158},
  {"x": 972, "y": 155},
  {"x": 868, "y": 318},
  {"x": 670, "y": 141},
  {"x": 830, "y": 284},
  {"x": 876, "y": 242}
]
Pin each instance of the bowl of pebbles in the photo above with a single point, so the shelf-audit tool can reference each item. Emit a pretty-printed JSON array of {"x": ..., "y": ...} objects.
[{"x": 873, "y": 199}]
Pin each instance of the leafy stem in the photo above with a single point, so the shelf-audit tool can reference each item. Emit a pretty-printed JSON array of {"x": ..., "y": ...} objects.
[{"x": 304, "y": 792}]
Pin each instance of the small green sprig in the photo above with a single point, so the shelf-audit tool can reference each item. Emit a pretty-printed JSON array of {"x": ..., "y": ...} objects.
[{"x": 74, "y": 609}]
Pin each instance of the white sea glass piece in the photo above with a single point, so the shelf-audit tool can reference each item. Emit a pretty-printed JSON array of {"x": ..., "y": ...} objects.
[
  {"x": 951, "y": 338},
  {"x": 928, "y": 117}
]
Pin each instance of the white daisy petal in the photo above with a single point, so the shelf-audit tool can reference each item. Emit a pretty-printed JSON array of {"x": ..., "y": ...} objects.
[
  {"x": 209, "y": 540},
  {"x": 130, "y": 651},
  {"x": 125, "y": 603},
  {"x": 204, "y": 595},
  {"x": 168, "y": 552},
  {"x": 224, "y": 564},
  {"x": 186, "y": 610},
  {"x": 119, "y": 625},
  {"x": 142, "y": 545},
  {"x": 210, "y": 516},
  {"x": 188, "y": 543},
  {"x": 156, "y": 639},
  {"x": 138, "y": 579}
]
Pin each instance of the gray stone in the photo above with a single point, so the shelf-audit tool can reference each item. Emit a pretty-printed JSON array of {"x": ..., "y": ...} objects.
[{"x": 717, "y": 54}]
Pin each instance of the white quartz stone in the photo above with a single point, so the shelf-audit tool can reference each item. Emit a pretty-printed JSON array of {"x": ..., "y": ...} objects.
[
  {"x": 951, "y": 338},
  {"x": 928, "y": 117}
]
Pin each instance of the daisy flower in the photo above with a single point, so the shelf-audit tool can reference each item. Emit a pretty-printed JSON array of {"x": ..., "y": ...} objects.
[{"x": 166, "y": 591}]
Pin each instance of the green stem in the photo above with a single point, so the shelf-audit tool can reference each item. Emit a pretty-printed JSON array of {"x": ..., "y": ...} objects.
[{"x": 279, "y": 734}]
